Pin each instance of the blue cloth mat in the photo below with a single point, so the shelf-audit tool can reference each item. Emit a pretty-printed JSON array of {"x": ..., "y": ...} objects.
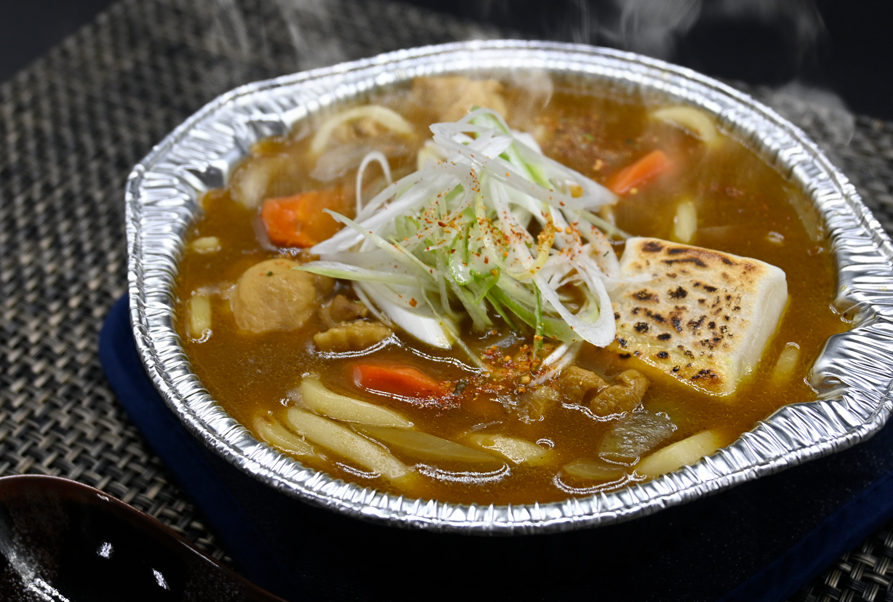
[{"x": 759, "y": 541}]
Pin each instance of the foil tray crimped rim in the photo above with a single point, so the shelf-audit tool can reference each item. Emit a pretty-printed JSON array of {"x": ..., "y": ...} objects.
[{"x": 161, "y": 202}]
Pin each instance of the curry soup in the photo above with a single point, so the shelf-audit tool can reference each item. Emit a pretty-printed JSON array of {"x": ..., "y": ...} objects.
[{"x": 494, "y": 418}]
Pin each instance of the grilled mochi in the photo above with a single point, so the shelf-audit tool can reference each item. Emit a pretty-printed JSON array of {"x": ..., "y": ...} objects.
[{"x": 701, "y": 316}]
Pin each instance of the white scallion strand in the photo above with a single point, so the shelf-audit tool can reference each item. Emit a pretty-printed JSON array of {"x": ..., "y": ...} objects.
[{"x": 456, "y": 234}]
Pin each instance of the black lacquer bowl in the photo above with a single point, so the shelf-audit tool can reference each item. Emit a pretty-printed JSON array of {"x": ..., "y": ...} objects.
[{"x": 61, "y": 540}]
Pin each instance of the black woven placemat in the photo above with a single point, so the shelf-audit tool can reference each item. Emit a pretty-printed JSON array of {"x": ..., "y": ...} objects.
[{"x": 74, "y": 122}]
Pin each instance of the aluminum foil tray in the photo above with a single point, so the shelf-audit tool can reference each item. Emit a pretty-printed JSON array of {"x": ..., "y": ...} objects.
[{"x": 853, "y": 374}]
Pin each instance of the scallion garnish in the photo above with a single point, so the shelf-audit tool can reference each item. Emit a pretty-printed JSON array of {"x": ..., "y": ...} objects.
[{"x": 494, "y": 228}]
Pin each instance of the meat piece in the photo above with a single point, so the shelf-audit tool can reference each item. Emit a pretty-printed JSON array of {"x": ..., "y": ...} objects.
[
  {"x": 351, "y": 336},
  {"x": 701, "y": 316},
  {"x": 341, "y": 309},
  {"x": 579, "y": 385},
  {"x": 534, "y": 404},
  {"x": 449, "y": 98},
  {"x": 625, "y": 394},
  {"x": 272, "y": 295}
]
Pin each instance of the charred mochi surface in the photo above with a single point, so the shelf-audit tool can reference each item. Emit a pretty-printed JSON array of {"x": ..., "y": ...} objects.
[{"x": 701, "y": 316}]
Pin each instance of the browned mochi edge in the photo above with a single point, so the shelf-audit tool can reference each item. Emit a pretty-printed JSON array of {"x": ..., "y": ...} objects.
[{"x": 701, "y": 316}]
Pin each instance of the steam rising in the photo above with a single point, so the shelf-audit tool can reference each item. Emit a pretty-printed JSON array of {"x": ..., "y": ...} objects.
[
  {"x": 311, "y": 48},
  {"x": 793, "y": 31},
  {"x": 768, "y": 42},
  {"x": 652, "y": 28}
]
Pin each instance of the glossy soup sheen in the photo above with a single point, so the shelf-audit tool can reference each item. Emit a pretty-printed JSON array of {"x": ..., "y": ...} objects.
[{"x": 744, "y": 207}]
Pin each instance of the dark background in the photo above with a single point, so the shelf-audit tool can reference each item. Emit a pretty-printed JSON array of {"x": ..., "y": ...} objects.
[{"x": 842, "y": 47}]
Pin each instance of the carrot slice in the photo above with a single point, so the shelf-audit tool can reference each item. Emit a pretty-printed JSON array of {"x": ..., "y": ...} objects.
[
  {"x": 650, "y": 166},
  {"x": 400, "y": 380},
  {"x": 299, "y": 220}
]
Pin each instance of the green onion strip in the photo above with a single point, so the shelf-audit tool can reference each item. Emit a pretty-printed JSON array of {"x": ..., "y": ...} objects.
[{"x": 494, "y": 228}]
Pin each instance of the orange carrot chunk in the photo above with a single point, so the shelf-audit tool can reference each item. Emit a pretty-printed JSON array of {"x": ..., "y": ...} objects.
[
  {"x": 632, "y": 176},
  {"x": 299, "y": 220},
  {"x": 400, "y": 380}
]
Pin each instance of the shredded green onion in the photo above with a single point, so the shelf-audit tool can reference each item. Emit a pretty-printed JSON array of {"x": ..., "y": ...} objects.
[{"x": 494, "y": 228}]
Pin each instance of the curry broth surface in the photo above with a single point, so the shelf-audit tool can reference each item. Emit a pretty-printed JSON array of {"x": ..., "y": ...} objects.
[{"x": 744, "y": 207}]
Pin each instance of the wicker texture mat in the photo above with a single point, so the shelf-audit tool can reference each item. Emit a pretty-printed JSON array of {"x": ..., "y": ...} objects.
[{"x": 73, "y": 123}]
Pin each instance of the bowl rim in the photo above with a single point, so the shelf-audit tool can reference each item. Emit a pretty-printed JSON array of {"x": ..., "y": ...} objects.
[{"x": 161, "y": 199}]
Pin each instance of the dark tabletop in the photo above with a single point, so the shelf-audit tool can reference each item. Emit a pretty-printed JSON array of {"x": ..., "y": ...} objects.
[{"x": 142, "y": 67}]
